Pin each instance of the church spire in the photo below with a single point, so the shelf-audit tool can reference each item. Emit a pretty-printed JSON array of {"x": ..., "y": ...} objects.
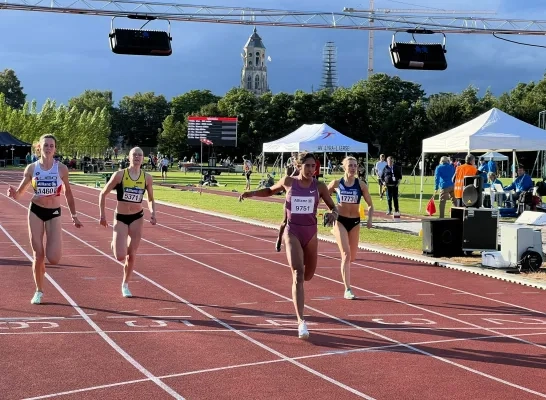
[{"x": 254, "y": 71}]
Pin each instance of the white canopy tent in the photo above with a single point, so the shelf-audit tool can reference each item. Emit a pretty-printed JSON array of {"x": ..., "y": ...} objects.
[
  {"x": 492, "y": 131},
  {"x": 493, "y": 155},
  {"x": 316, "y": 138}
]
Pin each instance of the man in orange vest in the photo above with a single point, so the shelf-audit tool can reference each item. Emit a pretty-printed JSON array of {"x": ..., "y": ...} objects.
[{"x": 466, "y": 169}]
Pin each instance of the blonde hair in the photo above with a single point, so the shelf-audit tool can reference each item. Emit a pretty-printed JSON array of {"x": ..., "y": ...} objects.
[{"x": 345, "y": 164}]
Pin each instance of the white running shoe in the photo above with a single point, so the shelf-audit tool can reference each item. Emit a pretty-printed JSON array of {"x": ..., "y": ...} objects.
[
  {"x": 37, "y": 299},
  {"x": 349, "y": 294},
  {"x": 303, "y": 333},
  {"x": 125, "y": 290}
]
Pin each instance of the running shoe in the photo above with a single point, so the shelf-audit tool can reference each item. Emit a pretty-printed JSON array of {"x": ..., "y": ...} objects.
[
  {"x": 125, "y": 290},
  {"x": 37, "y": 299},
  {"x": 303, "y": 333},
  {"x": 349, "y": 294}
]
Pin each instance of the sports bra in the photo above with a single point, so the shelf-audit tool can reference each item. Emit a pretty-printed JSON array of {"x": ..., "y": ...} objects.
[
  {"x": 349, "y": 195},
  {"x": 129, "y": 190},
  {"x": 46, "y": 183}
]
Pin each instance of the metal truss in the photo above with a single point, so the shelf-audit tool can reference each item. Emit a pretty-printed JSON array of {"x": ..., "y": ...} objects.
[{"x": 350, "y": 20}]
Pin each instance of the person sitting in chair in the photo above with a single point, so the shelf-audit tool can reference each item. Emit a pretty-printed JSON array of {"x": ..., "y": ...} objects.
[
  {"x": 522, "y": 184},
  {"x": 492, "y": 180}
]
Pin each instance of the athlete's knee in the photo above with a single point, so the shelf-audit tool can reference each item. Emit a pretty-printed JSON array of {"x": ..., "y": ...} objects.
[
  {"x": 298, "y": 275},
  {"x": 121, "y": 256},
  {"x": 39, "y": 255},
  {"x": 53, "y": 259},
  {"x": 345, "y": 255}
]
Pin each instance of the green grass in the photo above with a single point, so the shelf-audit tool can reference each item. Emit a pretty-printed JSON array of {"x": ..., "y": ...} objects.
[{"x": 253, "y": 209}]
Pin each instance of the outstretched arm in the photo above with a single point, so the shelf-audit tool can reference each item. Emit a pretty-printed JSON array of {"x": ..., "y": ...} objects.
[{"x": 270, "y": 191}]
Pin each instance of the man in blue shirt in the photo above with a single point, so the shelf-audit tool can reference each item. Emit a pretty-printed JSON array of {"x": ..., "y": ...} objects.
[
  {"x": 522, "y": 183},
  {"x": 443, "y": 180}
]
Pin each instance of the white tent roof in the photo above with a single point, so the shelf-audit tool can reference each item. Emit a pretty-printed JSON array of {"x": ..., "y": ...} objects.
[
  {"x": 493, "y": 130},
  {"x": 316, "y": 138},
  {"x": 493, "y": 155}
]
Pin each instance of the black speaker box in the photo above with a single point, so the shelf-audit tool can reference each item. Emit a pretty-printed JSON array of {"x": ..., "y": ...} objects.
[
  {"x": 442, "y": 237},
  {"x": 429, "y": 57},
  {"x": 473, "y": 191},
  {"x": 141, "y": 43},
  {"x": 479, "y": 227}
]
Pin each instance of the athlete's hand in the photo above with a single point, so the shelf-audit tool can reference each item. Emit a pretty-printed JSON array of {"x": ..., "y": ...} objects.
[
  {"x": 153, "y": 221},
  {"x": 103, "y": 222},
  {"x": 77, "y": 222},
  {"x": 369, "y": 224},
  {"x": 11, "y": 191}
]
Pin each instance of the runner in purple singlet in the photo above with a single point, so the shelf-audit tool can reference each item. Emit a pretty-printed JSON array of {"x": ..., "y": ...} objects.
[{"x": 303, "y": 194}]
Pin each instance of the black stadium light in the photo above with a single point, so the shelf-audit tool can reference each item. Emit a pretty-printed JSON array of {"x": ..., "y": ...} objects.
[
  {"x": 140, "y": 42},
  {"x": 419, "y": 56}
]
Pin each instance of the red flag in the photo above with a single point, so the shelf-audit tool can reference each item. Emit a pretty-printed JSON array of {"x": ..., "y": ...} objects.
[{"x": 206, "y": 141}]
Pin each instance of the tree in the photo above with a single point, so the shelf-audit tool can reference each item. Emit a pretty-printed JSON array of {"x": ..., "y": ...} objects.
[
  {"x": 11, "y": 87},
  {"x": 191, "y": 102},
  {"x": 139, "y": 118},
  {"x": 173, "y": 137}
]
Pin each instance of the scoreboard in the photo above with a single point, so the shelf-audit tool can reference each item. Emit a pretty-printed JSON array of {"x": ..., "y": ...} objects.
[{"x": 222, "y": 131}]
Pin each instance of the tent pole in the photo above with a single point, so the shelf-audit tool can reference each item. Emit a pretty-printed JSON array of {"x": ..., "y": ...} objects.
[
  {"x": 422, "y": 160},
  {"x": 514, "y": 164},
  {"x": 367, "y": 180},
  {"x": 263, "y": 164},
  {"x": 324, "y": 167}
]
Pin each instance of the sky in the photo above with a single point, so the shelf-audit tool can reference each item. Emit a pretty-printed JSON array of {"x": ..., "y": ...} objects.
[{"x": 58, "y": 56}]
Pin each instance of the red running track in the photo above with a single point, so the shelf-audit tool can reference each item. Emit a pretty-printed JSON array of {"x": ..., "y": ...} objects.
[{"x": 212, "y": 318}]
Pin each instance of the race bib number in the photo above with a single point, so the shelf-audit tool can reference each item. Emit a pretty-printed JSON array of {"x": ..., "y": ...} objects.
[
  {"x": 46, "y": 188},
  {"x": 349, "y": 198},
  {"x": 302, "y": 205},
  {"x": 133, "y": 195}
]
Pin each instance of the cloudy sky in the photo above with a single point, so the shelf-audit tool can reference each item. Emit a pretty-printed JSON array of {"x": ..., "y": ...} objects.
[{"x": 59, "y": 56}]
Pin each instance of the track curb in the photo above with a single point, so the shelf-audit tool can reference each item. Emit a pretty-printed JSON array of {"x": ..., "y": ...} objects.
[{"x": 481, "y": 271}]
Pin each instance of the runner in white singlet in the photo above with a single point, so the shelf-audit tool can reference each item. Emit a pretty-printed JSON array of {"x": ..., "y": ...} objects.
[{"x": 47, "y": 177}]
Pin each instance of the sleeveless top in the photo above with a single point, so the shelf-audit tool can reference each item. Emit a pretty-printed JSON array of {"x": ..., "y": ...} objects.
[
  {"x": 130, "y": 190},
  {"x": 301, "y": 203},
  {"x": 348, "y": 194},
  {"x": 46, "y": 183}
]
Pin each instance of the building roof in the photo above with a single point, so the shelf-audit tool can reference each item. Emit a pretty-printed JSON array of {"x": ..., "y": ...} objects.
[
  {"x": 255, "y": 40},
  {"x": 7, "y": 140}
]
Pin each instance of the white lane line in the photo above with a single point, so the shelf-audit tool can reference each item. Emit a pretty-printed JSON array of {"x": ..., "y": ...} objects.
[
  {"x": 415, "y": 349},
  {"x": 224, "y": 324},
  {"x": 340, "y": 320},
  {"x": 97, "y": 329},
  {"x": 229, "y": 367}
]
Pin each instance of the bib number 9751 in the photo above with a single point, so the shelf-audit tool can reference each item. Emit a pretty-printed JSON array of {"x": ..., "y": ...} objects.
[{"x": 302, "y": 205}]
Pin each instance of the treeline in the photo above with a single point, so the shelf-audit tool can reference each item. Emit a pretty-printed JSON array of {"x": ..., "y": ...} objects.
[{"x": 390, "y": 114}]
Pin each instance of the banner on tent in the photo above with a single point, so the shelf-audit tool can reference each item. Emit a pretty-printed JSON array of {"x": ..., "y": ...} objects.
[{"x": 334, "y": 149}]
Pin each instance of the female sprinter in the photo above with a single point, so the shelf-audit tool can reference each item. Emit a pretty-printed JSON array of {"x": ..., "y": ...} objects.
[
  {"x": 349, "y": 191},
  {"x": 130, "y": 184},
  {"x": 47, "y": 177},
  {"x": 303, "y": 194}
]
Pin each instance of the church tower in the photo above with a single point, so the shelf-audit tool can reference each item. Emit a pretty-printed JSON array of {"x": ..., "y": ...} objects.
[{"x": 254, "y": 72}]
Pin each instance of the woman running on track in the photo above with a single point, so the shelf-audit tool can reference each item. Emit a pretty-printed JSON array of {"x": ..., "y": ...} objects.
[
  {"x": 292, "y": 172},
  {"x": 349, "y": 191},
  {"x": 303, "y": 194},
  {"x": 47, "y": 177},
  {"x": 130, "y": 184}
]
